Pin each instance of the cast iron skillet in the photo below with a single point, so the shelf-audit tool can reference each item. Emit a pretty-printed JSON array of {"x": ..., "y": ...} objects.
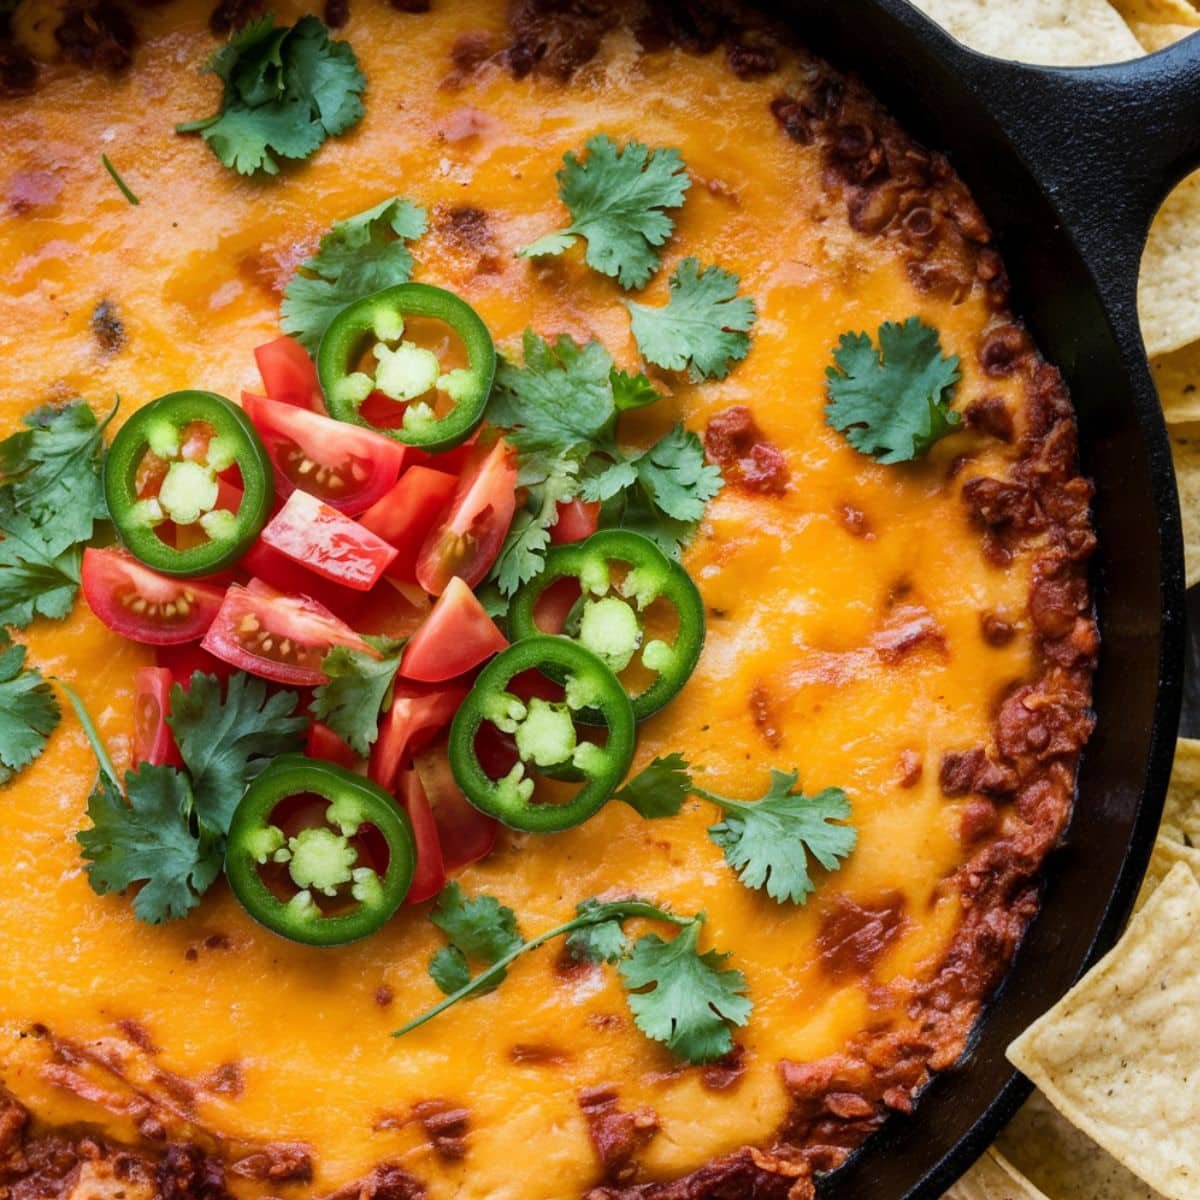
[{"x": 1069, "y": 166}]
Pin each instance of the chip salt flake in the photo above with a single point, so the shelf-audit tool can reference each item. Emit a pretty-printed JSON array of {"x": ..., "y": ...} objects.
[
  {"x": 993, "y": 1178},
  {"x": 1119, "y": 1055},
  {"x": 1177, "y": 377},
  {"x": 1062, "y": 33},
  {"x": 1066, "y": 1164},
  {"x": 1185, "y": 450},
  {"x": 1181, "y": 814},
  {"x": 1167, "y": 301},
  {"x": 1166, "y": 854}
]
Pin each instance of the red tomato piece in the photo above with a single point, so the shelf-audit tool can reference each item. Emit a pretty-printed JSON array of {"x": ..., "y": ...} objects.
[
  {"x": 418, "y": 714},
  {"x": 391, "y": 610},
  {"x": 277, "y": 637},
  {"x": 289, "y": 376},
  {"x": 328, "y": 543},
  {"x": 184, "y": 660},
  {"x": 577, "y": 519},
  {"x": 457, "y": 635},
  {"x": 451, "y": 461},
  {"x": 153, "y": 741},
  {"x": 321, "y": 742},
  {"x": 466, "y": 835},
  {"x": 267, "y": 565},
  {"x": 466, "y": 541},
  {"x": 430, "y": 875},
  {"x": 407, "y": 513},
  {"x": 142, "y": 605},
  {"x": 345, "y": 465}
]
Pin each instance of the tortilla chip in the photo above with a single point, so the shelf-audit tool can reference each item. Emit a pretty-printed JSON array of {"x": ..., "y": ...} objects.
[
  {"x": 1159, "y": 37},
  {"x": 1177, "y": 377},
  {"x": 1119, "y": 1055},
  {"x": 1167, "y": 300},
  {"x": 993, "y": 1178},
  {"x": 1064, "y": 33},
  {"x": 1066, "y": 1164},
  {"x": 1181, "y": 813},
  {"x": 1185, "y": 450},
  {"x": 1158, "y": 12},
  {"x": 1166, "y": 854}
]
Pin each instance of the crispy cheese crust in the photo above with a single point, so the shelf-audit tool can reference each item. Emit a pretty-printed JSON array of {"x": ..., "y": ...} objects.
[{"x": 921, "y": 636}]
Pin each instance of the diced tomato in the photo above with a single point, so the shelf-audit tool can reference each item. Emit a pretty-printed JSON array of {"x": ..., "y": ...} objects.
[
  {"x": 451, "y": 461},
  {"x": 321, "y": 742},
  {"x": 406, "y": 514},
  {"x": 288, "y": 374},
  {"x": 577, "y": 519},
  {"x": 391, "y": 610},
  {"x": 417, "y": 715},
  {"x": 153, "y": 741},
  {"x": 142, "y": 605},
  {"x": 328, "y": 542},
  {"x": 266, "y": 564},
  {"x": 277, "y": 637},
  {"x": 554, "y": 605},
  {"x": 457, "y": 635},
  {"x": 430, "y": 875},
  {"x": 184, "y": 660},
  {"x": 345, "y": 465},
  {"x": 466, "y": 541},
  {"x": 466, "y": 835}
]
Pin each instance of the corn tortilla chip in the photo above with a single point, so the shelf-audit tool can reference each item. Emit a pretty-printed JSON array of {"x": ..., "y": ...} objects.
[
  {"x": 1167, "y": 298},
  {"x": 1119, "y": 1055},
  {"x": 1181, "y": 814},
  {"x": 1066, "y": 1164},
  {"x": 1166, "y": 854},
  {"x": 1185, "y": 450},
  {"x": 1177, "y": 377},
  {"x": 1158, "y": 12},
  {"x": 992, "y": 1178},
  {"x": 1065, "y": 33},
  {"x": 1158, "y": 37}
]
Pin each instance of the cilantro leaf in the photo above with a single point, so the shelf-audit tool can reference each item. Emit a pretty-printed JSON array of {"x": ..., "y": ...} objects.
[
  {"x": 892, "y": 402},
  {"x": 360, "y": 255},
  {"x": 767, "y": 842},
  {"x": 603, "y": 940},
  {"x": 561, "y": 409},
  {"x": 704, "y": 326},
  {"x": 690, "y": 999},
  {"x": 51, "y": 472},
  {"x": 29, "y": 712},
  {"x": 287, "y": 89},
  {"x": 226, "y": 743},
  {"x": 149, "y": 840},
  {"x": 617, "y": 198},
  {"x": 358, "y": 688},
  {"x": 481, "y": 928},
  {"x": 39, "y": 570},
  {"x": 659, "y": 789}
]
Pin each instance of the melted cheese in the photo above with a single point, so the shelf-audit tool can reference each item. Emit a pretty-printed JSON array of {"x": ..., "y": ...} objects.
[{"x": 796, "y": 600}]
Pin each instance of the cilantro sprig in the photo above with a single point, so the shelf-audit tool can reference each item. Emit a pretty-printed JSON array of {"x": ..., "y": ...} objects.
[
  {"x": 617, "y": 198},
  {"x": 287, "y": 89},
  {"x": 681, "y": 997},
  {"x": 561, "y": 409},
  {"x": 360, "y": 255},
  {"x": 892, "y": 401},
  {"x": 704, "y": 327},
  {"x": 29, "y": 712},
  {"x": 766, "y": 842}
]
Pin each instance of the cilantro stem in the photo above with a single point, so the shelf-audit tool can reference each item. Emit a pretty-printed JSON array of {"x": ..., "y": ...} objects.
[
  {"x": 198, "y": 126},
  {"x": 126, "y": 190},
  {"x": 93, "y": 734},
  {"x": 720, "y": 801},
  {"x": 617, "y": 909}
]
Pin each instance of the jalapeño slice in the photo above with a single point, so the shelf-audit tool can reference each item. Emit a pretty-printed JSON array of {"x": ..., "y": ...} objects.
[
  {"x": 406, "y": 373},
  {"x": 545, "y": 736},
  {"x": 609, "y": 617},
  {"x": 163, "y": 474},
  {"x": 305, "y": 849}
]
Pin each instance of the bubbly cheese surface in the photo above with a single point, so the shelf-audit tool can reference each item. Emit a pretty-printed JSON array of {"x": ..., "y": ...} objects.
[{"x": 800, "y": 607}]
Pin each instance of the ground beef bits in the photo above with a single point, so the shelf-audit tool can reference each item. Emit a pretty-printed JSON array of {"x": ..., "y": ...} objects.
[{"x": 746, "y": 457}]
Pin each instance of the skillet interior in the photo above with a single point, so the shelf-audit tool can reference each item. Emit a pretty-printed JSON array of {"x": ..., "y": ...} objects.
[{"x": 1082, "y": 312}]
